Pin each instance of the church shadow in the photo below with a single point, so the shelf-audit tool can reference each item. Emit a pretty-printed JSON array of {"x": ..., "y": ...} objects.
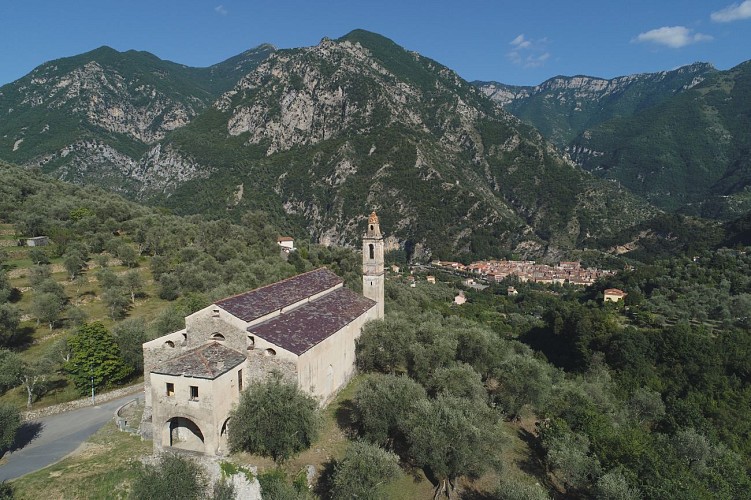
[{"x": 26, "y": 433}]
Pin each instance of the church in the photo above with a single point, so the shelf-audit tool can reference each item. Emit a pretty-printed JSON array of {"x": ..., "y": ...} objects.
[{"x": 304, "y": 327}]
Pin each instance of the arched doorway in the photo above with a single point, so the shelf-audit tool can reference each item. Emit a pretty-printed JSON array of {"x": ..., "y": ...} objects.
[{"x": 182, "y": 433}]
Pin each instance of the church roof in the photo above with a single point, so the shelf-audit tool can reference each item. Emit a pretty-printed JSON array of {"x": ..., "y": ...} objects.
[
  {"x": 207, "y": 361},
  {"x": 306, "y": 326},
  {"x": 262, "y": 301}
]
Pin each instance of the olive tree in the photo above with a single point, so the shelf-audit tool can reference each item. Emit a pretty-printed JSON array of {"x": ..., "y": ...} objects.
[
  {"x": 363, "y": 471},
  {"x": 274, "y": 419}
]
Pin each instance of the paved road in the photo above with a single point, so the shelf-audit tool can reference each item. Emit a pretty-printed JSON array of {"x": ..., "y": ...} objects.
[{"x": 58, "y": 435}]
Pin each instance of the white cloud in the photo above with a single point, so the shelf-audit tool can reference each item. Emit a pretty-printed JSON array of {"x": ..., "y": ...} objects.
[
  {"x": 520, "y": 42},
  {"x": 528, "y": 53},
  {"x": 733, "y": 12},
  {"x": 671, "y": 36},
  {"x": 221, "y": 10}
]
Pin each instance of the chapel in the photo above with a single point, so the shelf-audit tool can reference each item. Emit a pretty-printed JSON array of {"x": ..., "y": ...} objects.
[{"x": 304, "y": 327}]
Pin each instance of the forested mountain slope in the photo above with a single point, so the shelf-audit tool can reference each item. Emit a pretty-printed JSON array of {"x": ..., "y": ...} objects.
[
  {"x": 97, "y": 117},
  {"x": 563, "y": 107},
  {"x": 691, "y": 152}
]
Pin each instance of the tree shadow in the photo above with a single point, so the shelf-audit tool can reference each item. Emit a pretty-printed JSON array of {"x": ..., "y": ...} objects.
[
  {"x": 344, "y": 418},
  {"x": 22, "y": 338},
  {"x": 26, "y": 433},
  {"x": 325, "y": 481}
]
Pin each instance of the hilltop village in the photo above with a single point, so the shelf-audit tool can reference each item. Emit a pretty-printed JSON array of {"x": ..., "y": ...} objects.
[{"x": 527, "y": 270}]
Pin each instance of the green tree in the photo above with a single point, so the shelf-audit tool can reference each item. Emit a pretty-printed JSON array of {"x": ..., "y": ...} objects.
[
  {"x": 127, "y": 255},
  {"x": 73, "y": 264},
  {"x": 174, "y": 477},
  {"x": 453, "y": 437},
  {"x": 274, "y": 419},
  {"x": 34, "y": 377},
  {"x": 134, "y": 284},
  {"x": 39, "y": 256},
  {"x": 613, "y": 486},
  {"x": 117, "y": 302},
  {"x": 130, "y": 335},
  {"x": 169, "y": 286},
  {"x": 11, "y": 365},
  {"x": 381, "y": 406},
  {"x": 95, "y": 353},
  {"x": 10, "y": 421},
  {"x": 10, "y": 318},
  {"x": 363, "y": 471},
  {"x": 47, "y": 307}
]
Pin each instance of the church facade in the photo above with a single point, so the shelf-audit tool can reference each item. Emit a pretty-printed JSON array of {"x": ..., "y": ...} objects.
[{"x": 304, "y": 327}]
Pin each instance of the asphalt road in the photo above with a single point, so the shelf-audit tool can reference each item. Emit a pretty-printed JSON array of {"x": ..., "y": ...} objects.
[{"x": 51, "y": 438}]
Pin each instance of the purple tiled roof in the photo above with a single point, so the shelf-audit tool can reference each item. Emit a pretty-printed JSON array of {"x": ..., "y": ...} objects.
[
  {"x": 304, "y": 327},
  {"x": 207, "y": 361},
  {"x": 261, "y": 301}
]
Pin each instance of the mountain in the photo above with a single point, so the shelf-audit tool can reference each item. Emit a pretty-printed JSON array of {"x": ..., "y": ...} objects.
[
  {"x": 318, "y": 137},
  {"x": 690, "y": 153},
  {"x": 95, "y": 117},
  {"x": 565, "y": 106},
  {"x": 677, "y": 138},
  {"x": 325, "y": 134}
]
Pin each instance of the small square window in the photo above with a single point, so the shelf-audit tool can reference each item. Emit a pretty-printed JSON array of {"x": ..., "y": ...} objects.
[
  {"x": 194, "y": 393},
  {"x": 170, "y": 389}
]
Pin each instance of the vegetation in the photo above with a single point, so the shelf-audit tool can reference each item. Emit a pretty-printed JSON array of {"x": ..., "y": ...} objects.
[
  {"x": 274, "y": 419},
  {"x": 10, "y": 421},
  {"x": 172, "y": 477}
]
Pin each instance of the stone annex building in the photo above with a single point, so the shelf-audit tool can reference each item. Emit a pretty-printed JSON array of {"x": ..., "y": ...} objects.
[{"x": 304, "y": 327}]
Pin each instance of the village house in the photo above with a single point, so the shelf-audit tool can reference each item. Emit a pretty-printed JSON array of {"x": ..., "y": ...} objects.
[
  {"x": 430, "y": 279},
  {"x": 613, "y": 295},
  {"x": 304, "y": 327},
  {"x": 286, "y": 242}
]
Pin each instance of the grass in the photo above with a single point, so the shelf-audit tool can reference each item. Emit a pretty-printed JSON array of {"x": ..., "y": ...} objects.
[{"x": 101, "y": 468}]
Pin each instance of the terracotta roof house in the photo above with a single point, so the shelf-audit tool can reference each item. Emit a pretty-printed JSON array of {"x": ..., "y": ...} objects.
[
  {"x": 614, "y": 295},
  {"x": 303, "y": 327}
]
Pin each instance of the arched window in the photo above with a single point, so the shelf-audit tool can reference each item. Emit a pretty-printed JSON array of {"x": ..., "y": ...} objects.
[
  {"x": 169, "y": 343},
  {"x": 217, "y": 336},
  {"x": 372, "y": 251},
  {"x": 269, "y": 352},
  {"x": 251, "y": 342},
  {"x": 371, "y": 227}
]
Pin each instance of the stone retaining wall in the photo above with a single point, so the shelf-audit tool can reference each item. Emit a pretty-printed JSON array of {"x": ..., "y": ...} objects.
[{"x": 81, "y": 403}]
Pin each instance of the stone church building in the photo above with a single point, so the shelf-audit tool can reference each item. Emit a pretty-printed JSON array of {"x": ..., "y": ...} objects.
[{"x": 304, "y": 327}]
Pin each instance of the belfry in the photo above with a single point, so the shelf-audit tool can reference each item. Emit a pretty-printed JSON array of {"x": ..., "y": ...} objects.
[{"x": 372, "y": 263}]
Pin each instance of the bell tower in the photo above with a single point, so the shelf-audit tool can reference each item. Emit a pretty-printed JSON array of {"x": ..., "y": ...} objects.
[{"x": 372, "y": 263}]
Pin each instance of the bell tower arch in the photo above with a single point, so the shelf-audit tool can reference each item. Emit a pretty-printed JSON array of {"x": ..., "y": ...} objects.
[{"x": 372, "y": 263}]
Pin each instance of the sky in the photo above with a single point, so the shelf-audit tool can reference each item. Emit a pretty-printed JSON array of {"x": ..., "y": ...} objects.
[{"x": 513, "y": 42}]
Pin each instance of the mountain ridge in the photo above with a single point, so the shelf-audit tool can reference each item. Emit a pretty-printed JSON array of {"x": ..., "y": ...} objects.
[{"x": 318, "y": 136}]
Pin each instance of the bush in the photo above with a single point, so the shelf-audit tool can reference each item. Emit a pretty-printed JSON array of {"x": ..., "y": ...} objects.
[{"x": 174, "y": 477}]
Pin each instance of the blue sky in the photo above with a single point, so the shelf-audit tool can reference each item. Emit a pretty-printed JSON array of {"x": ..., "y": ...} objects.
[{"x": 515, "y": 42}]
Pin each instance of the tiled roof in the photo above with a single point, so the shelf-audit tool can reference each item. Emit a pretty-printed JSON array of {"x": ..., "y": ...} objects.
[
  {"x": 207, "y": 361},
  {"x": 261, "y": 301},
  {"x": 304, "y": 327}
]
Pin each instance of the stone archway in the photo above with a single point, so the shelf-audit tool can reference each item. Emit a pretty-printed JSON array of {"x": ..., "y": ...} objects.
[{"x": 184, "y": 434}]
